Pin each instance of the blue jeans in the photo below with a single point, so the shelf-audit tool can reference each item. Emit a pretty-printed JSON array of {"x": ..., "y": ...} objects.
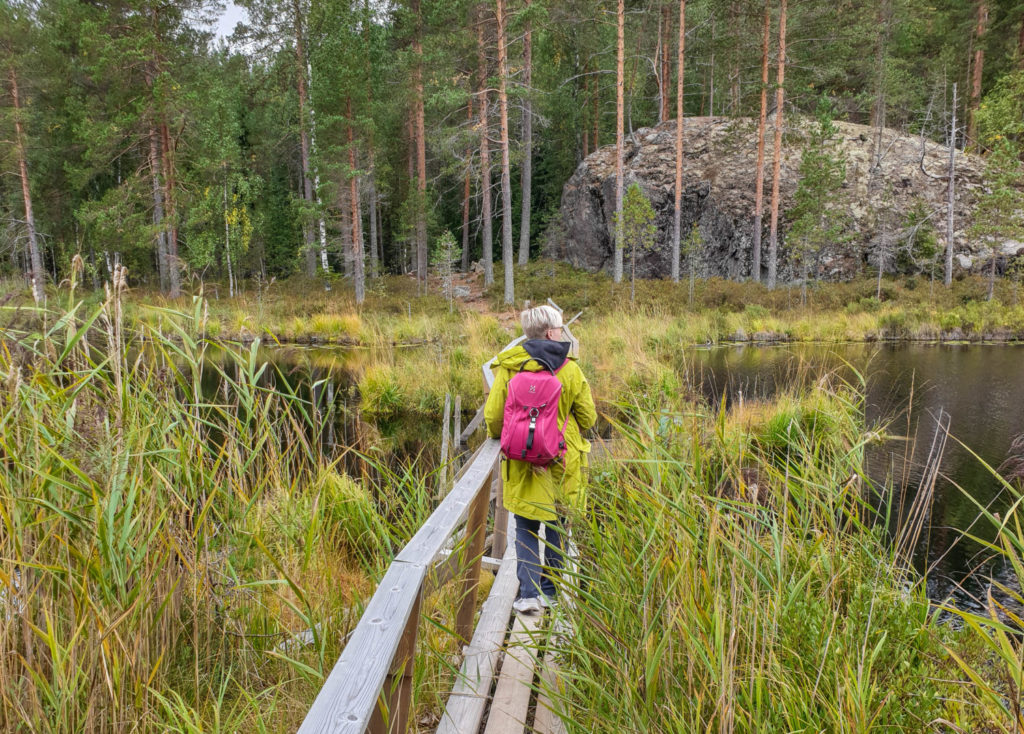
[{"x": 534, "y": 578}]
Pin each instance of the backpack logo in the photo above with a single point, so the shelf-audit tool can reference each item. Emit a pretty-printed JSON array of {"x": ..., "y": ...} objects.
[{"x": 533, "y": 388}]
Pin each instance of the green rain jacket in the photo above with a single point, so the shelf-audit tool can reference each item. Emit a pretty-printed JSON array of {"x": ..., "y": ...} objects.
[{"x": 531, "y": 491}]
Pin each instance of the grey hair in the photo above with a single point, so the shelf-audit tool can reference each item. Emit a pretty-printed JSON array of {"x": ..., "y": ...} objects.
[{"x": 537, "y": 321}]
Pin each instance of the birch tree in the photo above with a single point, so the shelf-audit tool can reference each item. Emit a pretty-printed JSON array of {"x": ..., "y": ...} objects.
[{"x": 35, "y": 255}]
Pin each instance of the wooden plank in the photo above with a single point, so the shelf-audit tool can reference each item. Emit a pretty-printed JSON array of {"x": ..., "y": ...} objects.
[
  {"x": 472, "y": 426},
  {"x": 473, "y": 551},
  {"x": 429, "y": 540},
  {"x": 501, "y": 517},
  {"x": 469, "y": 462},
  {"x": 347, "y": 700},
  {"x": 468, "y": 699},
  {"x": 393, "y": 713},
  {"x": 545, "y": 719},
  {"x": 515, "y": 684}
]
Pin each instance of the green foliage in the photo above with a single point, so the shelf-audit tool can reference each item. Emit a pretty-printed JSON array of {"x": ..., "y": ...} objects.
[
  {"x": 1001, "y": 113},
  {"x": 637, "y": 228},
  {"x": 444, "y": 256},
  {"x": 815, "y": 223},
  {"x": 919, "y": 253},
  {"x": 999, "y": 213}
]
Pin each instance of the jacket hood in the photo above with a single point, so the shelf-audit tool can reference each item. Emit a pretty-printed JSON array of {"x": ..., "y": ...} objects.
[{"x": 535, "y": 355}]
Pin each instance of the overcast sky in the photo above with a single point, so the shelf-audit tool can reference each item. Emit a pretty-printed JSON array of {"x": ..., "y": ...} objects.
[{"x": 231, "y": 16}]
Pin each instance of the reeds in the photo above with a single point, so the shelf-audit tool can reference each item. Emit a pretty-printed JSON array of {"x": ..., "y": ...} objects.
[
  {"x": 731, "y": 580},
  {"x": 161, "y": 545}
]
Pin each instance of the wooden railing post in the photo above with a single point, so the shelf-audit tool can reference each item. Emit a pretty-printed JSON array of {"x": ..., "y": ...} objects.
[
  {"x": 397, "y": 691},
  {"x": 500, "y": 515},
  {"x": 476, "y": 530}
]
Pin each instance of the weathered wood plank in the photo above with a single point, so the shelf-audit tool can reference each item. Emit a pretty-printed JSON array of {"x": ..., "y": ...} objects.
[
  {"x": 429, "y": 540},
  {"x": 515, "y": 684},
  {"x": 471, "y": 427},
  {"x": 473, "y": 551},
  {"x": 468, "y": 699},
  {"x": 501, "y": 517},
  {"x": 346, "y": 702},
  {"x": 545, "y": 719}
]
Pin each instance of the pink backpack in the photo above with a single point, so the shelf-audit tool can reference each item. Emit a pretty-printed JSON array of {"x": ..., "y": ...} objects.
[{"x": 530, "y": 429}]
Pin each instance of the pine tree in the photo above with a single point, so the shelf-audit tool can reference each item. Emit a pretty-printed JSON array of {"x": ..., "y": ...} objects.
[
  {"x": 636, "y": 226},
  {"x": 507, "y": 255},
  {"x": 773, "y": 236},
  {"x": 822, "y": 171},
  {"x": 678, "y": 191}
]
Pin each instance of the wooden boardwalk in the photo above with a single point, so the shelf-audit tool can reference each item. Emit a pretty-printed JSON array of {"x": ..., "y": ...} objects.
[{"x": 505, "y": 677}]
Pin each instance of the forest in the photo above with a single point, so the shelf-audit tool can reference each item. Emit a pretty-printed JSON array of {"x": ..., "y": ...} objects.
[{"x": 341, "y": 139}]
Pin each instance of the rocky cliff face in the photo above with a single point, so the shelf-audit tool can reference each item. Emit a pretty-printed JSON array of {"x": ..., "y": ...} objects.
[{"x": 720, "y": 157}]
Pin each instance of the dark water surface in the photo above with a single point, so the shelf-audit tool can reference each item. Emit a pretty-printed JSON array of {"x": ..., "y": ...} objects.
[{"x": 980, "y": 386}]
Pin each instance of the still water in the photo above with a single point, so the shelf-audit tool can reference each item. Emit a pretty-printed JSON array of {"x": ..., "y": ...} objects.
[{"x": 981, "y": 387}]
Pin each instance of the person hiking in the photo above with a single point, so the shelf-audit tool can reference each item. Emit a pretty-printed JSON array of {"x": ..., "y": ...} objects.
[{"x": 542, "y": 476}]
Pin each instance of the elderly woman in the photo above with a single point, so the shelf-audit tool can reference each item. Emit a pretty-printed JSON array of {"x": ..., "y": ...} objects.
[{"x": 537, "y": 495}]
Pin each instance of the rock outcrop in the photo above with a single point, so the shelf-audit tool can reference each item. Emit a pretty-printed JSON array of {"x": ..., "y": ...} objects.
[{"x": 720, "y": 156}]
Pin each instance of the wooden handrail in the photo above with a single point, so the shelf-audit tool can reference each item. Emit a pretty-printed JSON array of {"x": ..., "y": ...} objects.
[{"x": 378, "y": 658}]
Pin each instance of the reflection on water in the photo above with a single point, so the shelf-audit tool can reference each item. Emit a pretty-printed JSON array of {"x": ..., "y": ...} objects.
[{"x": 980, "y": 386}]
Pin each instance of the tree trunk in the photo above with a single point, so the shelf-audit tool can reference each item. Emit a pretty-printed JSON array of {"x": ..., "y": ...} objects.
[
  {"x": 878, "y": 112},
  {"x": 467, "y": 193},
  {"x": 307, "y": 183},
  {"x": 173, "y": 267},
  {"x": 158, "y": 209},
  {"x": 227, "y": 238},
  {"x": 321, "y": 224},
  {"x": 979, "y": 64},
  {"x": 527, "y": 169},
  {"x": 665, "y": 77},
  {"x": 736, "y": 26},
  {"x": 345, "y": 206},
  {"x": 583, "y": 114},
  {"x": 762, "y": 126},
  {"x": 596, "y": 103},
  {"x": 486, "y": 225},
  {"x": 507, "y": 259},
  {"x": 677, "y": 211},
  {"x": 948, "y": 276},
  {"x": 711, "y": 70},
  {"x": 34, "y": 254},
  {"x": 372, "y": 192},
  {"x": 619, "y": 93},
  {"x": 773, "y": 235},
  {"x": 992, "y": 275},
  {"x": 421, "y": 154},
  {"x": 358, "y": 271},
  {"x": 1020, "y": 46}
]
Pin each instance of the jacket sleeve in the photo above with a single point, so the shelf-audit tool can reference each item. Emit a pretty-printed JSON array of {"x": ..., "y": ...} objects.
[
  {"x": 494, "y": 408},
  {"x": 583, "y": 407}
]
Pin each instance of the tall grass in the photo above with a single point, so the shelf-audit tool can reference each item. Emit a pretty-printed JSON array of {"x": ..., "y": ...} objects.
[
  {"x": 731, "y": 579},
  {"x": 161, "y": 547}
]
